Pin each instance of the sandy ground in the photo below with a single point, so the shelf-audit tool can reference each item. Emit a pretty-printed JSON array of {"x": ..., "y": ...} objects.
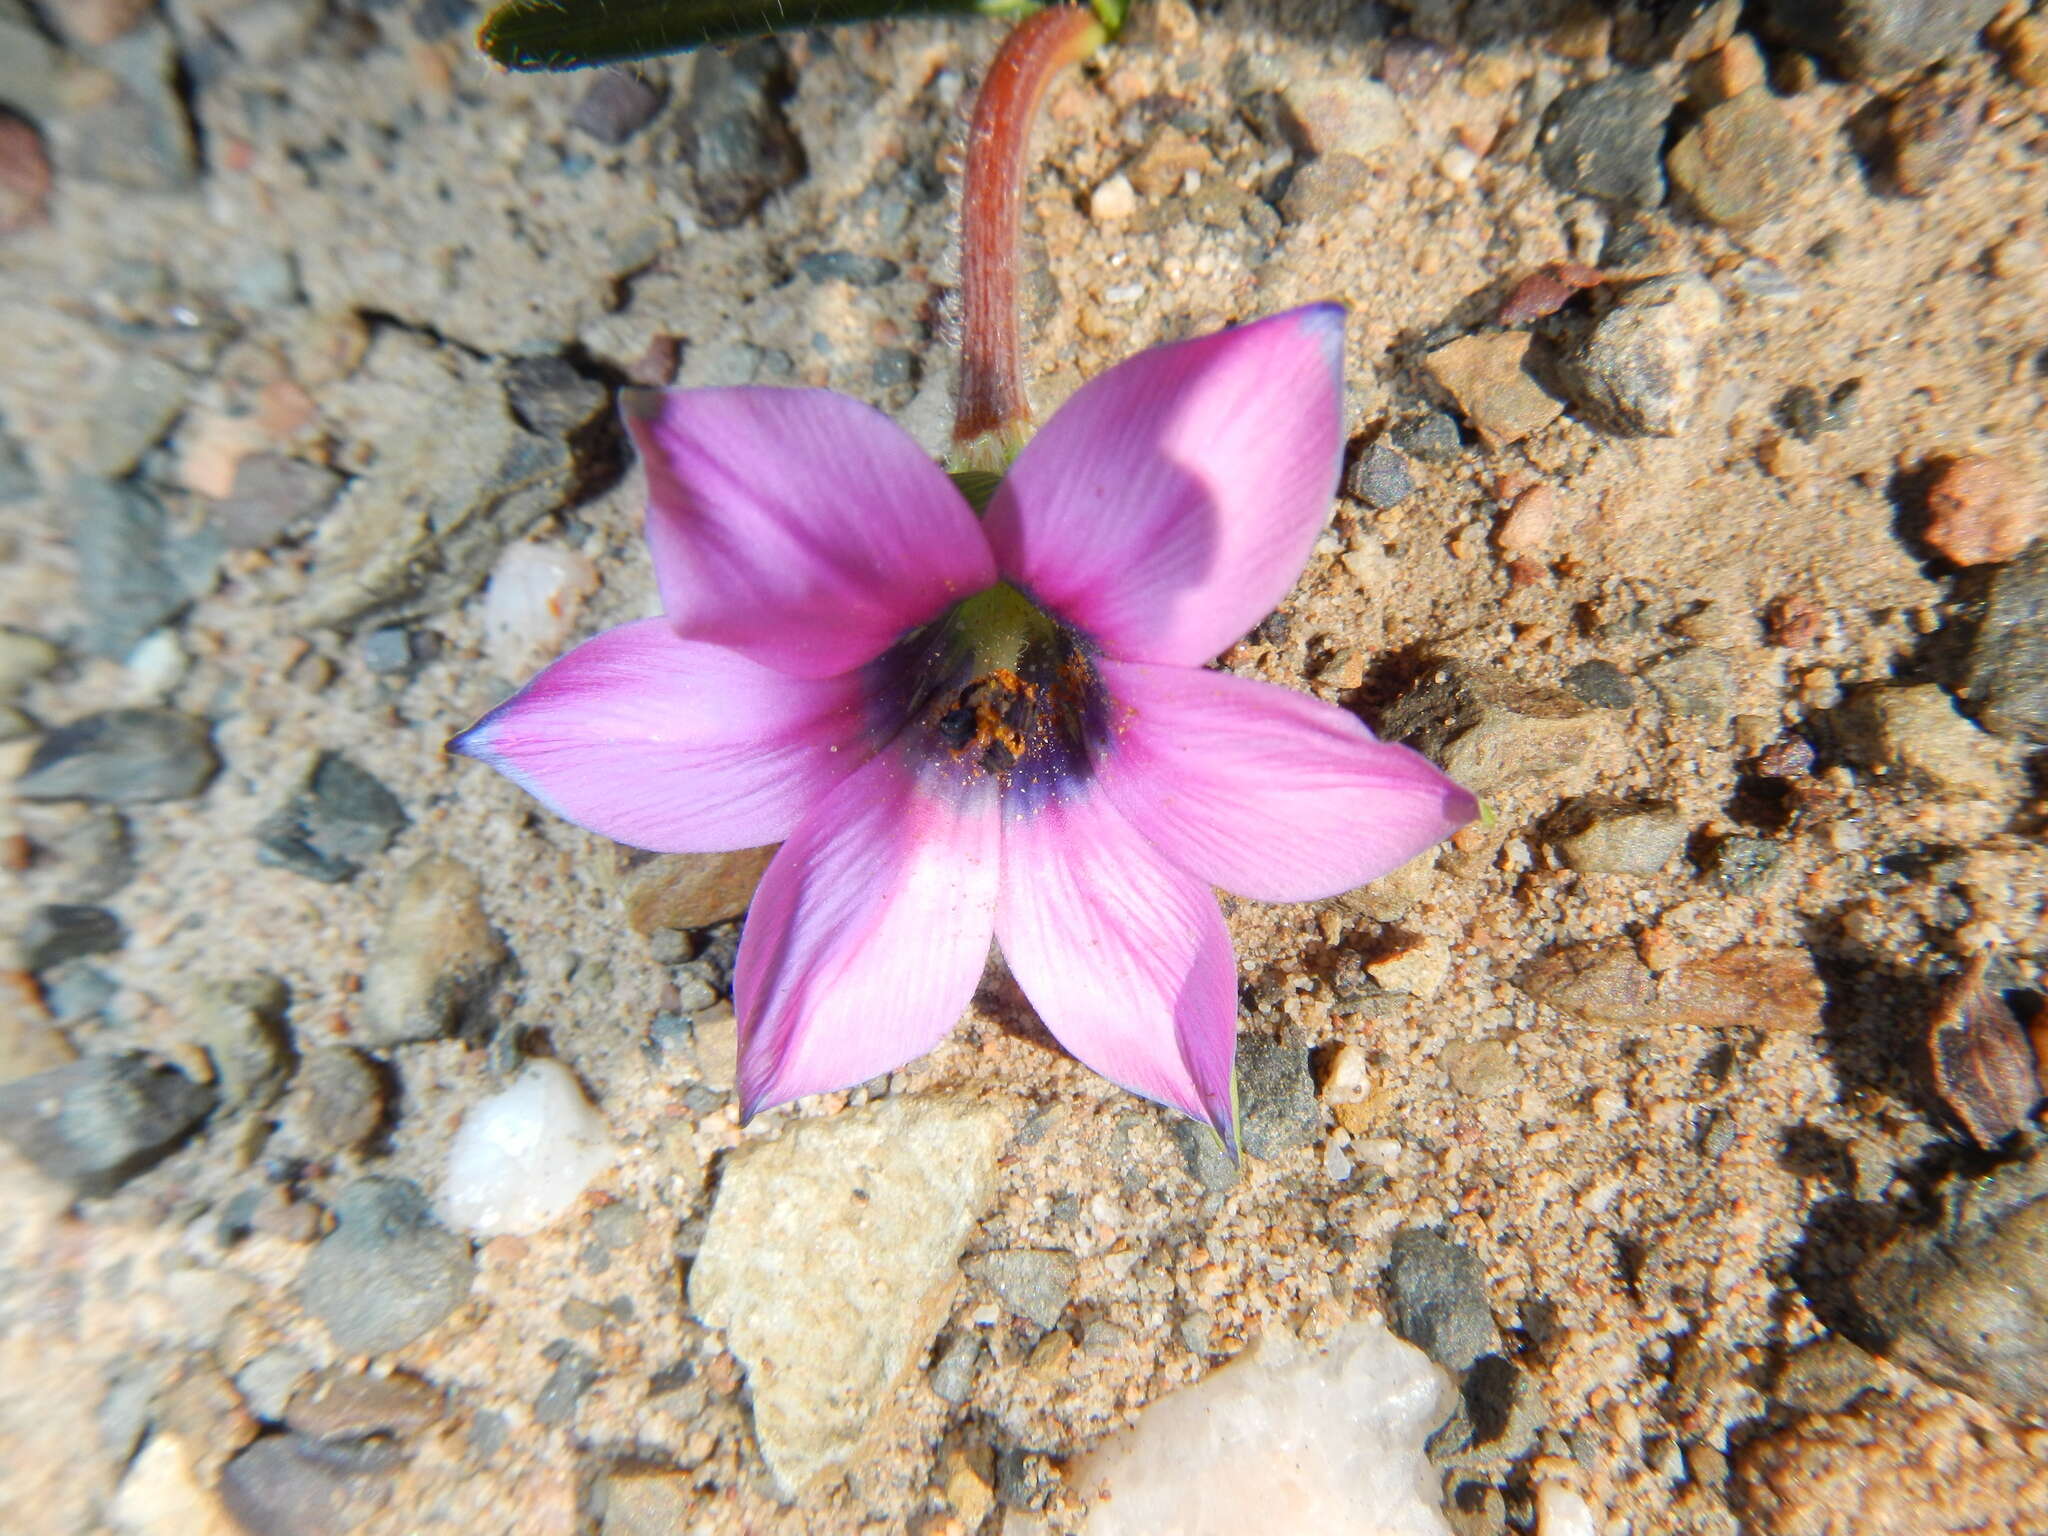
[{"x": 1664, "y": 1210}]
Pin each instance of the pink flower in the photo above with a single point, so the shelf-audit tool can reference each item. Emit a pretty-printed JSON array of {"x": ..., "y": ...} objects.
[{"x": 961, "y": 729}]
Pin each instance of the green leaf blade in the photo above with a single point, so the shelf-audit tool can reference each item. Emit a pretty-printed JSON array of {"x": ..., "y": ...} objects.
[{"x": 578, "y": 34}]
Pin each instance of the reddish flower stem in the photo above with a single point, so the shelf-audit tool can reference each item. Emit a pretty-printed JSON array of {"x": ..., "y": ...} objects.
[{"x": 991, "y": 391}]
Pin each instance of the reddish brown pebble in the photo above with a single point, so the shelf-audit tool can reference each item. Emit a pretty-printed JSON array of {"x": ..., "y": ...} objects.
[
  {"x": 1983, "y": 1062},
  {"x": 1981, "y": 512},
  {"x": 1547, "y": 290},
  {"x": 24, "y": 175},
  {"x": 1529, "y": 523},
  {"x": 1412, "y": 66},
  {"x": 1793, "y": 620},
  {"x": 1787, "y": 759},
  {"x": 656, "y": 367}
]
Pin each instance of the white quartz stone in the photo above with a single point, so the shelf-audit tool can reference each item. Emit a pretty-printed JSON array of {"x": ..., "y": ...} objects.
[
  {"x": 524, "y": 1156},
  {"x": 1282, "y": 1440},
  {"x": 531, "y": 605}
]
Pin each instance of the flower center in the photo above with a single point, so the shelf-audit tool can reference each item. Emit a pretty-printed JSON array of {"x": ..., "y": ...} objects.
[{"x": 995, "y": 694}]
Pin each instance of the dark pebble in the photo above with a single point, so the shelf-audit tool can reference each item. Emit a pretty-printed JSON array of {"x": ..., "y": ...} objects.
[
  {"x": 739, "y": 147},
  {"x": 1806, "y": 413},
  {"x": 847, "y": 267},
  {"x": 1880, "y": 37},
  {"x": 1742, "y": 865},
  {"x": 1379, "y": 477},
  {"x": 95, "y": 1124},
  {"x": 97, "y": 855},
  {"x": 2008, "y": 665},
  {"x": 551, "y": 398},
  {"x": 388, "y": 651},
  {"x": 1928, "y": 129},
  {"x": 1432, "y": 435},
  {"x": 388, "y": 1272},
  {"x": 1437, "y": 1291},
  {"x": 1202, "y": 1153},
  {"x": 342, "y": 817},
  {"x": 1276, "y": 1095},
  {"x": 76, "y": 991},
  {"x": 338, "y": 1100},
  {"x": 124, "y": 756},
  {"x": 1606, "y": 139},
  {"x": 895, "y": 366},
  {"x": 62, "y": 931},
  {"x": 616, "y": 105},
  {"x": 575, "y": 1373},
  {"x": 1601, "y": 684},
  {"x": 281, "y": 1486}
]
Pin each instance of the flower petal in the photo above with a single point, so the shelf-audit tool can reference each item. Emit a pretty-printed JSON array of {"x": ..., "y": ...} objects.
[
  {"x": 673, "y": 745},
  {"x": 1267, "y": 793},
  {"x": 1124, "y": 956},
  {"x": 866, "y": 939},
  {"x": 797, "y": 526},
  {"x": 1171, "y": 503}
]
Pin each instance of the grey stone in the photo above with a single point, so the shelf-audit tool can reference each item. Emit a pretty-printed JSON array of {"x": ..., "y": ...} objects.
[
  {"x": 268, "y": 279},
  {"x": 24, "y": 657},
  {"x": 1915, "y": 732},
  {"x": 18, "y": 479},
  {"x": 1481, "y": 1069},
  {"x": 388, "y": 1272},
  {"x": 738, "y": 146},
  {"x": 29, "y": 66},
  {"x": 1881, "y": 37},
  {"x": 123, "y": 756},
  {"x": 1276, "y": 1095},
  {"x": 1601, "y": 684},
  {"x": 1606, "y": 139},
  {"x": 283, "y": 1485},
  {"x": 64, "y": 931},
  {"x": 831, "y": 1259},
  {"x": 355, "y": 1405},
  {"x": 1600, "y": 838},
  {"x": 1437, "y": 1291},
  {"x": 421, "y": 530},
  {"x": 616, "y": 104},
  {"x": 433, "y": 20},
  {"x": 1208, "y": 1161},
  {"x": 272, "y": 494},
  {"x": 1034, "y": 1283},
  {"x": 847, "y": 267},
  {"x": 1742, "y": 163},
  {"x": 76, "y": 991},
  {"x": 2007, "y": 681},
  {"x": 1694, "y": 683},
  {"x": 268, "y": 1382},
  {"x": 129, "y": 577},
  {"x": 1745, "y": 865},
  {"x": 1965, "y": 1302},
  {"x": 96, "y": 854},
  {"x": 1431, "y": 435},
  {"x": 1642, "y": 367},
  {"x": 387, "y": 651},
  {"x": 134, "y": 132},
  {"x": 95, "y": 1124},
  {"x": 241, "y": 1025},
  {"x": 574, "y": 1374},
  {"x": 1825, "y": 1376},
  {"x": 549, "y": 397},
  {"x": 648, "y": 1503},
  {"x": 133, "y": 414},
  {"x": 1488, "y": 730},
  {"x": 337, "y": 1100},
  {"x": 435, "y": 959},
  {"x": 1379, "y": 477},
  {"x": 342, "y": 817},
  {"x": 894, "y": 366},
  {"x": 14, "y": 724},
  {"x": 952, "y": 1376}
]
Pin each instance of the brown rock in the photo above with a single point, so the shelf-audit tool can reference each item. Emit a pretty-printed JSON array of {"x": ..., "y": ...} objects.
[
  {"x": 1889, "y": 1467},
  {"x": 1927, "y": 129},
  {"x": 1982, "y": 1060},
  {"x": 1488, "y": 730},
  {"x": 350, "y": 1405},
  {"x": 1915, "y": 731},
  {"x": 1965, "y": 1301},
  {"x": 1488, "y": 376},
  {"x": 337, "y": 1100},
  {"x": 29, "y": 1042},
  {"x": 1605, "y": 981},
  {"x": 1742, "y": 163},
  {"x": 1980, "y": 511},
  {"x": 649, "y": 1503},
  {"x": 24, "y": 175},
  {"x": 95, "y": 23},
  {"x": 687, "y": 890},
  {"x": 435, "y": 959}
]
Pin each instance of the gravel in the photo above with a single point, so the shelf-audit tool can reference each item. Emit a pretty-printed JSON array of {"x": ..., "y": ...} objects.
[
  {"x": 388, "y": 1273},
  {"x": 97, "y": 1123},
  {"x": 124, "y": 756}
]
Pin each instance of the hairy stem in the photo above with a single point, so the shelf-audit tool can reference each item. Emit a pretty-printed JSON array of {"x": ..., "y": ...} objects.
[{"x": 991, "y": 403}]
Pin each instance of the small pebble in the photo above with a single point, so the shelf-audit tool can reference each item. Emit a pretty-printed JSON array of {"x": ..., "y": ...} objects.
[
  {"x": 1113, "y": 200},
  {"x": 1981, "y": 511},
  {"x": 616, "y": 105},
  {"x": 1379, "y": 477}
]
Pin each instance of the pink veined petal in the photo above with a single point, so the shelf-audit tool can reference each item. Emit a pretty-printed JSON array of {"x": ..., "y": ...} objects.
[
  {"x": 673, "y": 745},
  {"x": 1124, "y": 956},
  {"x": 1267, "y": 793},
  {"x": 866, "y": 939},
  {"x": 1171, "y": 503},
  {"x": 801, "y": 528}
]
